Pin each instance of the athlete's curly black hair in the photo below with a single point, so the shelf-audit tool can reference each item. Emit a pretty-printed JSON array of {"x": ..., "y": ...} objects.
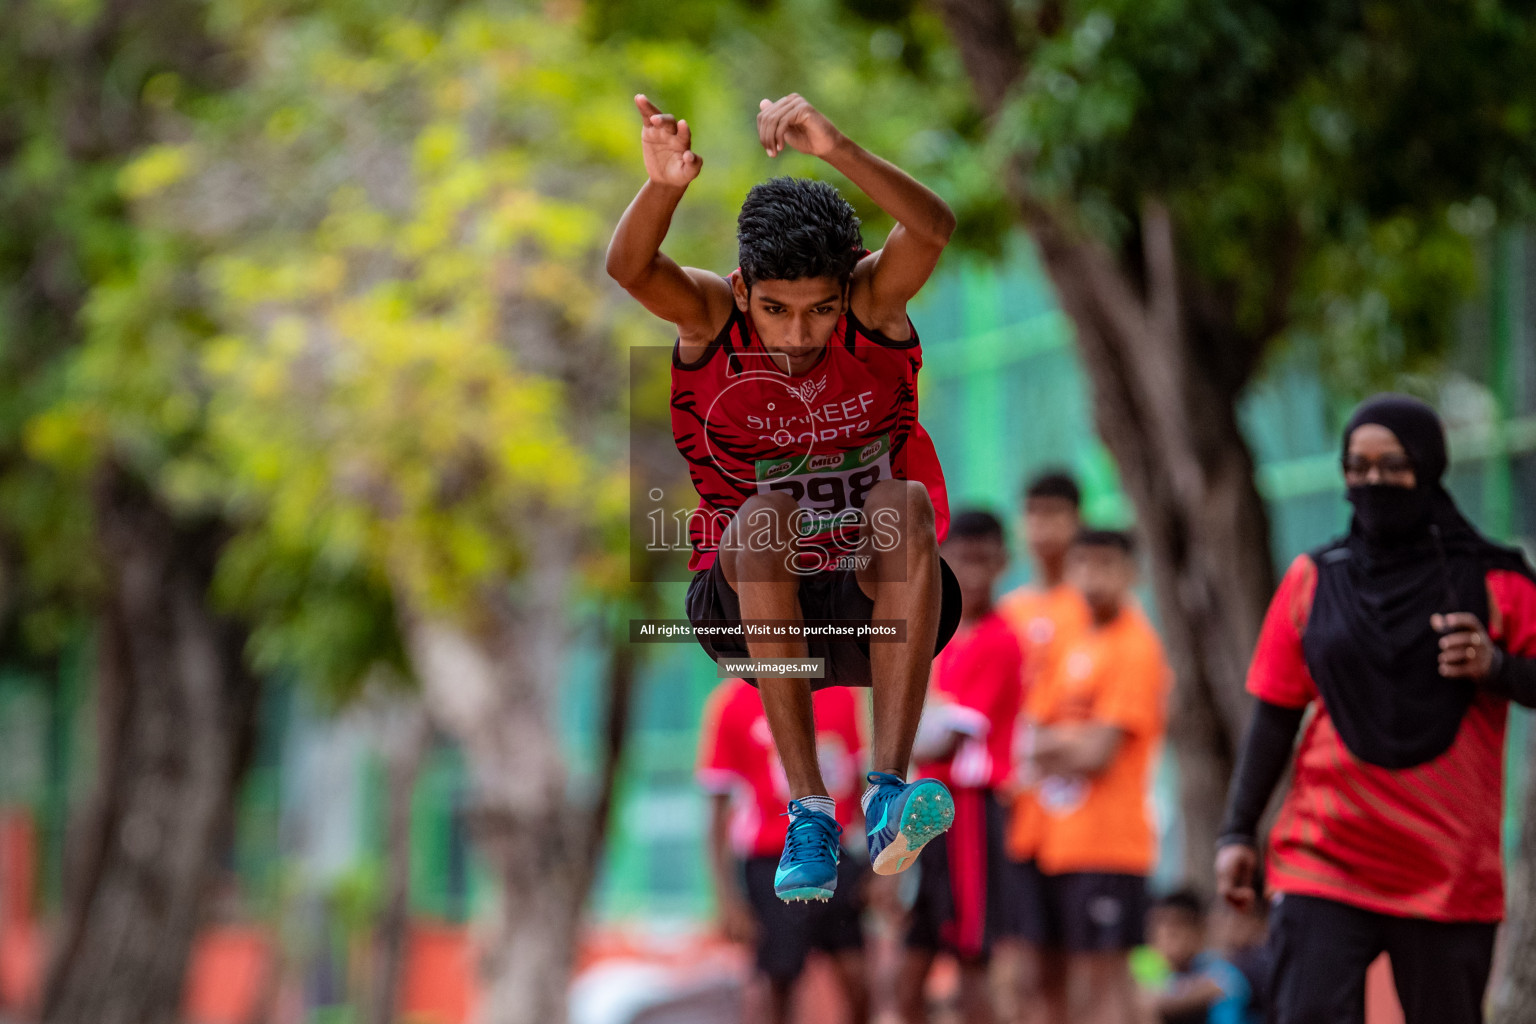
[{"x": 793, "y": 228}]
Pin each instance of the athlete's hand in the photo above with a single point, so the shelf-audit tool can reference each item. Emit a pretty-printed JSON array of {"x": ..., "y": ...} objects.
[
  {"x": 664, "y": 141},
  {"x": 793, "y": 121},
  {"x": 1466, "y": 650},
  {"x": 1235, "y": 865}
]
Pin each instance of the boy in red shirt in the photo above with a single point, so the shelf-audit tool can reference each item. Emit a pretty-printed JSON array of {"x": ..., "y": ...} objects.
[
  {"x": 741, "y": 771},
  {"x": 965, "y": 741}
]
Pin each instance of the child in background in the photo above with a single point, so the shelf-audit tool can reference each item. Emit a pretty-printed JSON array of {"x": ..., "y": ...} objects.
[{"x": 1203, "y": 987}]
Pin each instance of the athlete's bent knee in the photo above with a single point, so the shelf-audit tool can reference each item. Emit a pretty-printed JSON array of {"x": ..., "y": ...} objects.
[
  {"x": 774, "y": 502},
  {"x": 909, "y": 502},
  {"x": 758, "y": 538}
]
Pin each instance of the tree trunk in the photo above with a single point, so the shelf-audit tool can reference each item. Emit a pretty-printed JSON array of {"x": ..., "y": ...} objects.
[
  {"x": 1166, "y": 369},
  {"x": 1514, "y": 1000},
  {"x": 177, "y": 716},
  {"x": 409, "y": 735},
  {"x": 1170, "y": 422},
  {"x": 491, "y": 681}
]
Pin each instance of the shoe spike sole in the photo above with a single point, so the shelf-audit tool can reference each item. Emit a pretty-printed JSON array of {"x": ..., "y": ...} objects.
[{"x": 926, "y": 818}]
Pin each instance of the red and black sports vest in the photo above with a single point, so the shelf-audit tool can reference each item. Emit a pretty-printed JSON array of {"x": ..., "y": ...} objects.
[{"x": 826, "y": 436}]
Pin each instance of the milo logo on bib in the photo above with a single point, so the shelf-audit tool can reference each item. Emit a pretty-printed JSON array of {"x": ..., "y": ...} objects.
[{"x": 829, "y": 486}]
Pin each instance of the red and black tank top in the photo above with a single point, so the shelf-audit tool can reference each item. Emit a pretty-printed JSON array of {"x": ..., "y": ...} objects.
[{"x": 826, "y": 436}]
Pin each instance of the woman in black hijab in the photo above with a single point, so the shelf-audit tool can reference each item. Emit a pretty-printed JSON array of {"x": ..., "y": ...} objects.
[{"x": 1406, "y": 639}]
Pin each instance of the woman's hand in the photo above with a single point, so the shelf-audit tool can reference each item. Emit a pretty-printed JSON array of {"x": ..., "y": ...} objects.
[
  {"x": 1466, "y": 650},
  {"x": 794, "y": 121},
  {"x": 665, "y": 142},
  {"x": 1235, "y": 864}
]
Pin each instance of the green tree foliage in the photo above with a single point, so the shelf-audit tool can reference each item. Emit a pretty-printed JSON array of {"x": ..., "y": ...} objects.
[
  {"x": 884, "y": 72},
  {"x": 363, "y": 293},
  {"x": 81, "y": 86},
  {"x": 359, "y": 318},
  {"x": 394, "y": 219},
  {"x": 1333, "y": 167}
]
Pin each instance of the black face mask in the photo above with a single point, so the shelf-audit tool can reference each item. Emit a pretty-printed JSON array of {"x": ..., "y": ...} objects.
[{"x": 1388, "y": 514}]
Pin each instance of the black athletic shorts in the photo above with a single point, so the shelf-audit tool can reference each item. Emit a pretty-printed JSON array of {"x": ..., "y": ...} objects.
[
  {"x": 961, "y": 881},
  {"x": 1077, "y": 911},
  {"x": 787, "y": 932},
  {"x": 1322, "y": 949},
  {"x": 831, "y": 595}
]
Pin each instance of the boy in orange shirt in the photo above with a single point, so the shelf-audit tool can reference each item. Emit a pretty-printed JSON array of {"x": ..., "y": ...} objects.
[
  {"x": 1096, "y": 721},
  {"x": 1048, "y": 611},
  {"x": 1045, "y": 613}
]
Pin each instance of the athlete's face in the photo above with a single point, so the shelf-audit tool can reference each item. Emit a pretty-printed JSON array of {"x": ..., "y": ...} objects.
[
  {"x": 795, "y": 318},
  {"x": 1104, "y": 575},
  {"x": 1049, "y": 525},
  {"x": 977, "y": 562}
]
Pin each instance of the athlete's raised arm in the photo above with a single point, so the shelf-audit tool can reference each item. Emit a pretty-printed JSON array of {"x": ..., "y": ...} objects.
[
  {"x": 884, "y": 282},
  {"x": 697, "y": 301}
]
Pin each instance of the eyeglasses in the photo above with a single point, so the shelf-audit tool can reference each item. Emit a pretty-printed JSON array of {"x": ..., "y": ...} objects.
[{"x": 1358, "y": 467}]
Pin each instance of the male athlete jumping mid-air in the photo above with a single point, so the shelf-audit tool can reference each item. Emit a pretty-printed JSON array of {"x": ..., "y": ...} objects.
[{"x": 794, "y": 400}]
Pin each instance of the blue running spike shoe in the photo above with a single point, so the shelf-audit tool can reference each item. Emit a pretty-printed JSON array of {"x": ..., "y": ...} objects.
[
  {"x": 808, "y": 868},
  {"x": 903, "y": 818}
]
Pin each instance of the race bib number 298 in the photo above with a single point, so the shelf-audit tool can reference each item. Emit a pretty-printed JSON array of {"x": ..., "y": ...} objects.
[{"x": 829, "y": 486}]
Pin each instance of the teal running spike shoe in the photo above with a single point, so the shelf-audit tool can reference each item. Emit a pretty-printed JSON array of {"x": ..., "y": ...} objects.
[
  {"x": 808, "y": 868},
  {"x": 903, "y": 818}
]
